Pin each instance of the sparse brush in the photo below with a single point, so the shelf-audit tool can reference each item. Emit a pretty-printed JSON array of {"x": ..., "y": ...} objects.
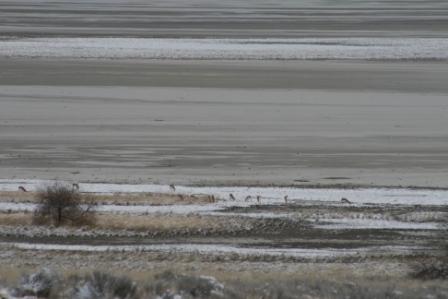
[
  {"x": 39, "y": 284},
  {"x": 435, "y": 268},
  {"x": 59, "y": 205},
  {"x": 169, "y": 285},
  {"x": 100, "y": 285}
]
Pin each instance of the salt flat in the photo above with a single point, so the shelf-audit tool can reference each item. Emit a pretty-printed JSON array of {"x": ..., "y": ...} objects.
[
  {"x": 244, "y": 122},
  {"x": 137, "y": 115},
  {"x": 354, "y": 48},
  {"x": 236, "y": 18}
]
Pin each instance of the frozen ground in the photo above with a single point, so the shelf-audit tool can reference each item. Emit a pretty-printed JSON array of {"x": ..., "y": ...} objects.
[
  {"x": 228, "y": 49},
  {"x": 138, "y": 235}
]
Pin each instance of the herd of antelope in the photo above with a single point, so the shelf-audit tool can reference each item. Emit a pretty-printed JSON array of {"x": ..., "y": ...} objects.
[
  {"x": 247, "y": 198},
  {"x": 211, "y": 198}
]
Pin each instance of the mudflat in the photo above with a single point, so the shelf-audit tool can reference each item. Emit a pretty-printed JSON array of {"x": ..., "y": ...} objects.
[
  {"x": 213, "y": 18},
  {"x": 235, "y": 122}
]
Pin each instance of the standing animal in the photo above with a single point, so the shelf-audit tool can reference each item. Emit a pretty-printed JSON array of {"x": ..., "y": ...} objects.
[
  {"x": 75, "y": 186},
  {"x": 345, "y": 200},
  {"x": 232, "y": 197},
  {"x": 258, "y": 198},
  {"x": 21, "y": 188},
  {"x": 211, "y": 198},
  {"x": 286, "y": 198},
  {"x": 248, "y": 198},
  {"x": 181, "y": 197},
  {"x": 172, "y": 187}
]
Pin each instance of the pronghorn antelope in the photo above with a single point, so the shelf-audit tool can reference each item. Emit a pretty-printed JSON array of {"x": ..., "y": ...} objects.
[
  {"x": 258, "y": 198},
  {"x": 345, "y": 200},
  {"x": 248, "y": 198},
  {"x": 21, "y": 188},
  {"x": 232, "y": 197},
  {"x": 286, "y": 198},
  {"x": 75, "y": 186},
  {"x": 172, "y": 187}
]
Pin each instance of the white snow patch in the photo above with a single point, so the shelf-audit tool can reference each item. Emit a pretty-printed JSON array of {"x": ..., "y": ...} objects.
[
  {"x": 211, "y": 48},
  {"x": 252, "y": 215},
  {"x": 122, "y": 209},
  {"x": 346, "y": 223},
  {"x": 269, "y": 195},
  {"x": 214, "y": 249}
]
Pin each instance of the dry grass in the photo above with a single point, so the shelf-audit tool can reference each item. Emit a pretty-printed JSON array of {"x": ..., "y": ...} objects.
[
  {"x": 16, "y": 219},
  {"x": 132, "y": 222},
  {"x": 117, "y": 198},
  {"x": 335, "y": 281},
  {"x": 230, "y": 271},
  {"x": 151, "y": 198},
  {"x": 157, "y": 222},
  {"x": 17, "y": 196}
]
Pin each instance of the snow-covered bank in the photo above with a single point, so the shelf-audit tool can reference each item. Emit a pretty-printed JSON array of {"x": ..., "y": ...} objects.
[
  {"x": 375, "y": 224},
  {"x": 215, "y": 249},
  {"x": 268, "y": 195},
  {"x": 123, "y": 209},
  {"x": 267, "y": 49}
]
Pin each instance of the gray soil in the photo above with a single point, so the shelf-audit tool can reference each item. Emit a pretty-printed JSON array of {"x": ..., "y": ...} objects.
[
  {"x": 315, "y": 122},
  {"x": 259, "y": 122},
  {"x": 215, "y": 18}
]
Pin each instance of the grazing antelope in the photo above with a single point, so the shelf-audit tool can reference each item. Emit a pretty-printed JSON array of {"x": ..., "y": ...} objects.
[
  {"x": 258, "y": 198},
  {"x": 21, "y": 188},
  {"x": 173, "y": 188},
  {"x": 181, "y": 197},
  {"x": 345, "y": 200},
  {"x": 248, "y": 198},
  {"x": 286, "y": 198},
  {"x": 232, "y": 197},
  {"x": 75, "y": 186},
  {"x": 211, "y": 198}
]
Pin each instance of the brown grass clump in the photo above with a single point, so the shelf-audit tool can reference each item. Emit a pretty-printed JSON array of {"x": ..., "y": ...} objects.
[
  {"x": 133, "y": 222},
  {"x": 15, "y": 219},
  {"x": 156, "y": 222},
  {"x": 17, "y": 196}
]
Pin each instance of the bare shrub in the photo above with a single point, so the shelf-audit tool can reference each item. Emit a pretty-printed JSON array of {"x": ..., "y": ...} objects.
[
  {"x": 40, "y": 284},
  {"x": 437, "y": 267},
  {"x": 431, "y": 269},
  {"x": 59, "y": 205},
  {"x": 169, "y": 285},
  {"x": 444, "y": 236},
  {"x": 100, "y": 285}
]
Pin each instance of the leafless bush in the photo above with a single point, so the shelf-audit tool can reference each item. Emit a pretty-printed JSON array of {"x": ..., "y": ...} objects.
[
  {"x": 100, "y": 285},
  {"x": 435, "y": 268},
  {"x": 60, "y": 205},
  {"x": 40, "y": 284},
  {"x": 169, "y": 285}
]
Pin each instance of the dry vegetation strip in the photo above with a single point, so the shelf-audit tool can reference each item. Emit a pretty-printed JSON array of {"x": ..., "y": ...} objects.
[
  {"x": 177, "y": 282},
  {"x": 116, "y": 198},
  {"x": 133, "y": 222}
]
